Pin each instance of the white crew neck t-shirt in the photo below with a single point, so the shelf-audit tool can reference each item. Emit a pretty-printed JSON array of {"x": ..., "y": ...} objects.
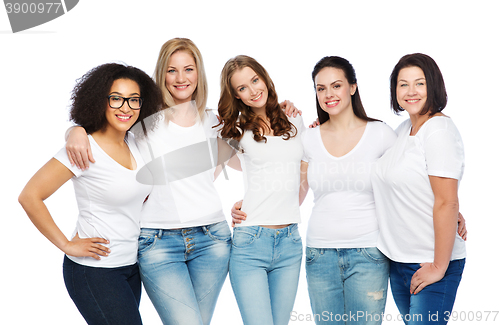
[
  {"x": 271, "y": 174},
  {"x": 109, "y": 202},
  {"x": 403, "y": 192},
  {"x": 344, "y": 213},
  {"x": 182, "y": 161}
]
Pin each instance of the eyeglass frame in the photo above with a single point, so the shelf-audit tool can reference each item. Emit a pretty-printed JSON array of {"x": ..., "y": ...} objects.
[{"x": 125, "y": 99}]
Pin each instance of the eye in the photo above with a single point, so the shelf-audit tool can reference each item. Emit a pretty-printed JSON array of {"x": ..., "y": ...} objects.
[
  {"x": 134, "y": 99},
  {"x": 170, "y": 70},
  {"x": 255, "y": 80},
  {"x": 115, "y": 98},
  {"x": 336, "y": 86},
  {"x": 189, "y": 70},
  {"x": 403, "y": 85},
  {"x": 241, "y": 89},
  {"x": 319, "y": 89},
  {"x": 421, "y": 84}
]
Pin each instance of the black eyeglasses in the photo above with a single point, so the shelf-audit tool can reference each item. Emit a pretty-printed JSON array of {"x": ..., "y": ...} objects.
[{"x": 117, "y": 101}]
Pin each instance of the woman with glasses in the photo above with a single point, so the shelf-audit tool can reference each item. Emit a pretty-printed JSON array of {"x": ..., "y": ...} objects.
[
  {"x": 185, "y": 240},
  {"x": 100, "y": 267}
]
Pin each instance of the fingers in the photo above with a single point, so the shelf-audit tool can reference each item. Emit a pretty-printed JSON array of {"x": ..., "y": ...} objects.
[{"x": 89, "y": 154}]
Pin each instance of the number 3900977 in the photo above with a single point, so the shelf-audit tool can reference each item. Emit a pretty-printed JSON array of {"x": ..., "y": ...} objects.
[{"x": 24, "y": 8}]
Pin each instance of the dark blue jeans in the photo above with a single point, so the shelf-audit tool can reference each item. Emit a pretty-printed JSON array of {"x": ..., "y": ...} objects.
[
  {"x": 432, "y": 305},
  {"x": 104, "y": 295}
]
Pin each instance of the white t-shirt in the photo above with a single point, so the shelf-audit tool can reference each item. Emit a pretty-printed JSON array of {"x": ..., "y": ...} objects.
[
  {"x": 344, "y": 214},
  {"x": 403, "y": 191},
  {"x": 182, "y": 161},
  {"x": 109, "y": 202},
  {"x": 271, "y": 173}
]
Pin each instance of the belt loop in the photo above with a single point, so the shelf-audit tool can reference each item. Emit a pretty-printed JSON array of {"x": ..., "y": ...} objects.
[
  {"x": 160, "y": 233},
  {"x": 259, "y": 231}
]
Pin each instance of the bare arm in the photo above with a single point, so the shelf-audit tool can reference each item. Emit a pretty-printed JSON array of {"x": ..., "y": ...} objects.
[
  {"x": 78, "y": 147},
  {"x": 445, "y": 218},
  {"x": 304, "y": 185},
  {"x": 42, "y": 185}
]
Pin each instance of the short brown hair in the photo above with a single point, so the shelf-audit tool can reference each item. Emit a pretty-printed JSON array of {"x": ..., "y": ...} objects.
[{"x": 436, "y": 91}]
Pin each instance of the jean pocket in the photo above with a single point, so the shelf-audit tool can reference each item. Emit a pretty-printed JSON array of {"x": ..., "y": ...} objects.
[
  {"x": 312, "y": 255},
  {"x": 242, "y": 238},
  {"x": 146, "y": 243},
  {"x": 296, "y": 236},
  {"x": 373, "y": 255},
  {"x": 219, "y": 231}
]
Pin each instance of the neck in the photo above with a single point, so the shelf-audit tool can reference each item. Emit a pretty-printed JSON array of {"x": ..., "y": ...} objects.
[
  {"x": 110, "y": 135},
  {"x": 343, "y": 121},
  {"x": 417, "y": 121}
]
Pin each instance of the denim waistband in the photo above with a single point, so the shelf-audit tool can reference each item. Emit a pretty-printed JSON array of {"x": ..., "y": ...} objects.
[
  {"x": 263, "y": 231},
  {"x": 180, "y": 231}
]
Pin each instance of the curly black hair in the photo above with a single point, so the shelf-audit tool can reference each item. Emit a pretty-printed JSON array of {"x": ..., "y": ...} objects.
[{"x": 90, "y": 96}]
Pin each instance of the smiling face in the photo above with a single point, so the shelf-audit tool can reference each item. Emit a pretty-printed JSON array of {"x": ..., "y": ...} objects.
[
  {"x": 122, "y": 119},
  {"x": 333, "y": 91},
  {"x": 249, "y": 88},
  {"x": 411, "y": 90},
  {"x": 181, "y": 77}
]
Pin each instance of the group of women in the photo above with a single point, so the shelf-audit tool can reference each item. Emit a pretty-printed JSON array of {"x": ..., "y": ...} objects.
[{"x": 385, "y": 202}]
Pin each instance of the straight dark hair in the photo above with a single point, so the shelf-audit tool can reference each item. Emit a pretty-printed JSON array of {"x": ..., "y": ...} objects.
[
  {"x": 436, "y": 91},
  {"x": 344, "y": 65}
]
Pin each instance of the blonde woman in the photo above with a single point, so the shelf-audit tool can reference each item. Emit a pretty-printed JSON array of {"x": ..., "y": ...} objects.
[{"x": 185, "y": 240}]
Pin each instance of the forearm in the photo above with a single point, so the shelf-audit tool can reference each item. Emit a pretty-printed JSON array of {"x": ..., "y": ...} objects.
[
  {"x": 304, "y": 185},
  {"x": 445, "y": 220},
  {"x": 39, "y": 214}
]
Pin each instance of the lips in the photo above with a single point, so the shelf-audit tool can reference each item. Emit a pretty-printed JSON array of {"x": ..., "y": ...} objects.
[
  {"x": 412, "y": 101},
  {"x": 332, "y": 103},
  {"x": 123, "y": 118},
  {"x": 181, "y": 87},
  {"x": 257, "y": 98}
]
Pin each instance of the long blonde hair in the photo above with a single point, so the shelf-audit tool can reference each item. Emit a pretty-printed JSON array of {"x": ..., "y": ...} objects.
[{"x": 201, "y": 92}]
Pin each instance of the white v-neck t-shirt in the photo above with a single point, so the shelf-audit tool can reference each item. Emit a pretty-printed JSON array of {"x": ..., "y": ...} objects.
[
  {"x": 344, "y": 213},
  {"x": 403, "y": 192},
  {"x": 109, "y": 201}
]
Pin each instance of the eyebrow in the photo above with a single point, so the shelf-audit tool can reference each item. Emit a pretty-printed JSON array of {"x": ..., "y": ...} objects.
[
  {"x": 414, "y": 80},
  {"x": 256, "y": 75},
  {"x": 189, "y": 65},
  {"x": 118, "y": 93},
  {"x": 330, "y": 83}
]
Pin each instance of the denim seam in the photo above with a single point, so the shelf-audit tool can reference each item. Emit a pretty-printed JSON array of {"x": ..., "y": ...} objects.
[
  {"x": 92, "y": 294},
  {"x": 163, "y": 291}
]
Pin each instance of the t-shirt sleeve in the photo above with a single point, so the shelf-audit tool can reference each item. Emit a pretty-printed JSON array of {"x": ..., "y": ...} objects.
[
  {"x": 444, "y": 151},
  {"x": 62, "y": 157},
  {"x": 388, "y": 137},
  {"x": 305, "y": 138}
]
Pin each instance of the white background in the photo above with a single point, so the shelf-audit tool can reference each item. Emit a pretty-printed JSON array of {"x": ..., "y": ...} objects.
[{"x": 38, "y": 69}]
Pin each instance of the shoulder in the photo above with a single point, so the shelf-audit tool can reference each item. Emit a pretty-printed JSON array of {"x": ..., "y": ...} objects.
[
  {"x": 298, "y": 122},
  {"x": 210, "y": 117},
  {"x": 382, "y": 128},
  {"x": 403, "y": 127},
  {"x": 439, "y": 126}
]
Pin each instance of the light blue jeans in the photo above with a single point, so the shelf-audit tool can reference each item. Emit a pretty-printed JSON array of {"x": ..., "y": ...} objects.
[
  {"x": 347, "y": 285},
  {"x": 183, "y": 270},
  {"x": 264, "y": 271}
]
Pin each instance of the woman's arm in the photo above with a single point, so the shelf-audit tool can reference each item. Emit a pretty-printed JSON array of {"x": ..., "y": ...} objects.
[
  {"x": 304, "y": 185},
  {"x": 78, "y": 147},
  {"x": 42, "y": 185},
  {"x": 445, "y": 218}
]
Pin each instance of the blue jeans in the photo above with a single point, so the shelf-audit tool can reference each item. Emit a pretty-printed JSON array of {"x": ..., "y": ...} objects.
[
  {"x": 264, "y": 271},
  {"x": 432, "y": 305},
  {"x": 183, "y": 270},
  {"x": 104, "y": 295},
  {"x": 347, "y": 285}
]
